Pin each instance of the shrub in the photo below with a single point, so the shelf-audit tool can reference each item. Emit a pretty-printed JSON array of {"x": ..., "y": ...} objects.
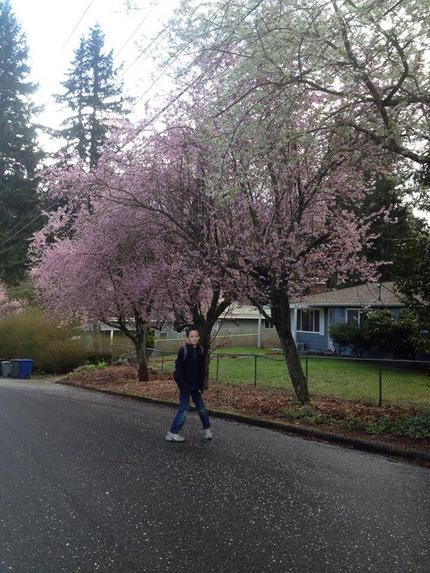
[
  {"x": 353, "y": 423},
  {"x": 60, "y": 356},
  {"x": 417, "y": 426},
  {"x": 308, "y": 415},
  {"x": 414, "y": 426},
  {"x": 396, "y": 336},
  {"x": 98, "y": 346},
  {"x": 378, "y": 426},
  {"x": 350, "y": 335},
  {"x": 91, "y": 367},
  {"x": 53, "y": 348},
  {"x": 380, "y": 331}
]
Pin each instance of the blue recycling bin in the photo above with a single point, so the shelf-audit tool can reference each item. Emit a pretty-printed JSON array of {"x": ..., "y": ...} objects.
[{"x": 22, "y": 368}]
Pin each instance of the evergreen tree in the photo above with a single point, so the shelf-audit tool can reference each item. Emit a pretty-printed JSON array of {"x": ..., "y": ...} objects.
[
  {"x": 412, "y": 268},
  {"x": 387, "y": 195},
  {"x": 18, "y": 153},
  {"x": 93, "y": 93}
]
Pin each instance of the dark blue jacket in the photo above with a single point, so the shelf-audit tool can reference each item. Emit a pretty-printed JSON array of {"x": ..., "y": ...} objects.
[{"x": 189, "y": 373}]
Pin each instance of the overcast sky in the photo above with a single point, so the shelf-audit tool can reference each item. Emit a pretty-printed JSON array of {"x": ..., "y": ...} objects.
[
  {"x": 54, "y": 27},
  {"x": 52, "y": 38}
]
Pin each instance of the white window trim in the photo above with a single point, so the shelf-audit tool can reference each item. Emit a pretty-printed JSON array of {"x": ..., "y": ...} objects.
[
  {"x": 360, "y": 311},
  {"x": 322, "y": 323}
]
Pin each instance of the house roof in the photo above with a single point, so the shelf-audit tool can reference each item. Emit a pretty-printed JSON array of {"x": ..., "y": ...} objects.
[
  {"x": 101, "y": 327},
  {"x": 236, "y": 311},
  {"x": 373, "y": 294},
  {"x": 369, "y": 294}
]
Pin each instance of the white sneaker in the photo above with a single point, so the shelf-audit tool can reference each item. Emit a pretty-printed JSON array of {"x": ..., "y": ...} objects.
[
  {"x": 174, "y": 437},
  {"x": 208, "y": 434}
]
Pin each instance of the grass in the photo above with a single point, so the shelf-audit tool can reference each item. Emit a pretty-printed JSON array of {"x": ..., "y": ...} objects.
[{"x": 348, "y": 379}]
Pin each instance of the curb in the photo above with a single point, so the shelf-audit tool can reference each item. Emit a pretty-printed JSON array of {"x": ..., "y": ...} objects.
[{"x": 355, "y": 443}]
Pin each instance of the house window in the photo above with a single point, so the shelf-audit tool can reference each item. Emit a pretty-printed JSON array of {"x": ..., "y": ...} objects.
[
  {"x": 354, "y": 316},
  {"x": 268, "y": 323},
  {"x": 163, "y": 335},
  {"x": 308, "y": 320}
]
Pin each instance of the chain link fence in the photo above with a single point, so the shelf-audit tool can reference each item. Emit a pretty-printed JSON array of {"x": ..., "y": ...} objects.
[{"x": 378, "y": 382}]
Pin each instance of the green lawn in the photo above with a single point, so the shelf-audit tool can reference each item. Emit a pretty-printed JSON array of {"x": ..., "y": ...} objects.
[{"x": 342, "y": 378}]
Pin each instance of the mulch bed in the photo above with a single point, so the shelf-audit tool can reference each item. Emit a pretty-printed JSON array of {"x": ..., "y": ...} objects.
[{"x": 264, "y": 403}]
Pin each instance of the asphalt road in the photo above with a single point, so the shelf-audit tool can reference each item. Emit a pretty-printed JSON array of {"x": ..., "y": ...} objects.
[{"x": 88, "y": 483}]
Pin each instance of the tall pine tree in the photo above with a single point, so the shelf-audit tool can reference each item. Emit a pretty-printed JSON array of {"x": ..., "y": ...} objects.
[
  {"x": 18, "y": 151},
  {"x": 93, "y": 93},
  {"x": 387, "y": 194}
]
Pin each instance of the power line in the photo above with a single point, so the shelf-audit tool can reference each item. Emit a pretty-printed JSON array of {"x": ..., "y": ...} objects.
[
  {"x": 173, "y": 59},
  {"x": 159, "y": 112},
  {"x": 163, "y": 70},
  {"x": 19, "y": 223},
  {"x": 77, "y": 24},
  {"x": 144, "y": 19},
  {"x": 176, "y": 56},
  {"x": 146, "y": 48},
  {"x": 28, "y": 224},
  {"x": 161, "y": 33}
]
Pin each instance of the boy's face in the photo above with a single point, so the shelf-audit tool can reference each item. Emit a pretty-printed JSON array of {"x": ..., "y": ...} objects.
[{"x": 193, "y": 337}]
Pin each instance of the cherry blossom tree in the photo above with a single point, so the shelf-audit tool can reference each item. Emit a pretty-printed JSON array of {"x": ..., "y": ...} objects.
[
  {"x": 292, "y": 120},
  {"x": 367, "y": 61},
  {"x": 147, "y": 197},
  {"x": 290, "y": 224},
  {"x": 263, "y": 216},
  {"x": 103, "y": 273}
]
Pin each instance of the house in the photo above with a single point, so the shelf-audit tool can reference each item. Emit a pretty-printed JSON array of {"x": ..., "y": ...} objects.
[
  {"x": 312, "y": 315},
  {"x": 239, "y": 325}
]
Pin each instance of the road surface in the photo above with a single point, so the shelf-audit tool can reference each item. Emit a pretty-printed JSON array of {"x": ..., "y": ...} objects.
[{"x": 88, "y": 483}]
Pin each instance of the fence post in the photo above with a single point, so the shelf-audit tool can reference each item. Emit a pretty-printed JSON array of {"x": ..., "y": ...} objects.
[
  {"x": 217, "y": 367},
  {"x": 162, "y": 363},
  {"x": 306, "y": 366},
  {"x": 255, "y": 370},
  {"x": 380, "y": 384}
]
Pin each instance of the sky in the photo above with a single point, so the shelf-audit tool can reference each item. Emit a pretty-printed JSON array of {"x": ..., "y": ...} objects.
[{"x": 54, "y": 27}]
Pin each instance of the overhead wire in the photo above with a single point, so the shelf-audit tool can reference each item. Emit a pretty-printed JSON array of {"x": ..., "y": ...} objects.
[
  {"x": 131, "y": 36},
  {"x": 175, "y": 57},
  {"x": 77, "y": 24},
  {"x": 161, "y": 111},
  {"x": 28, "y": 224}
]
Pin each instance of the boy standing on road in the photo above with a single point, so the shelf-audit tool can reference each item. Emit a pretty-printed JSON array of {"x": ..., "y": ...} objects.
[{"x": 189, "y": 376}]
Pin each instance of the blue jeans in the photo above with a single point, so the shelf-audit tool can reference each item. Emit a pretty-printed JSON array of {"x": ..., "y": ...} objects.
[{"x": 184, "y": 404}]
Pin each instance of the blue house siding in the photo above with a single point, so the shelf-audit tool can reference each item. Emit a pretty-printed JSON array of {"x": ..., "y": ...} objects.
[
  {"x": 313, "y": 341},
  {"x": 316, "y": 342}
]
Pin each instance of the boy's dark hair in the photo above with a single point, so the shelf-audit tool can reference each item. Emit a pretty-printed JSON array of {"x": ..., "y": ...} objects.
[{"x": 190, "y": 329}]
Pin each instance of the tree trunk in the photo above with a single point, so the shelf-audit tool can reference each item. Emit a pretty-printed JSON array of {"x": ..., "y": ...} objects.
[
  {"x": 142, "y": 361},
  {"x": 139, "y": 338},
  {"x": 206, "y": 343},
  {"x": 205, "y": 324},
  {"x": 280, "y": 308}
]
